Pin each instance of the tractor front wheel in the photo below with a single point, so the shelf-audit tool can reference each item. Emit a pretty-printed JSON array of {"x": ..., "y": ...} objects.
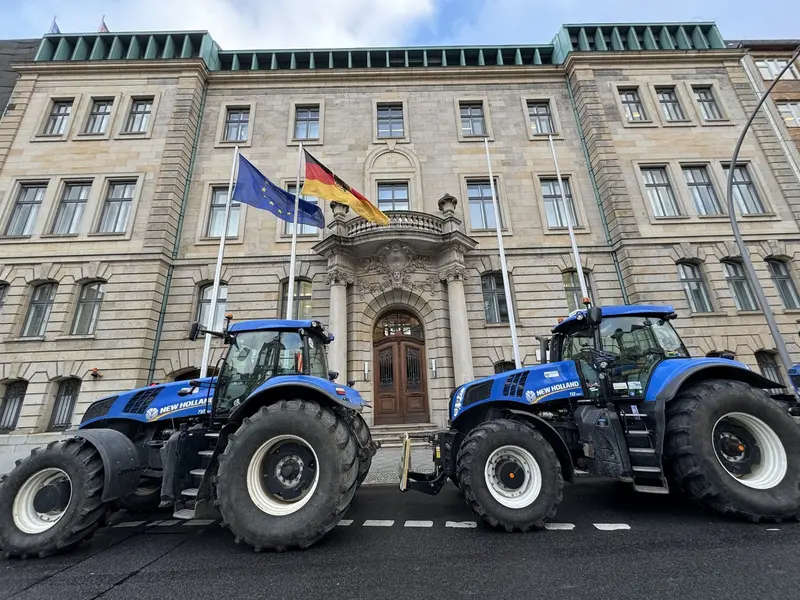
[
  {"x": 287, "y": 475},
  {"x": 366, "y": 451},
  {"x": 731, "y": 448},
  {"x": 509, "y": 475}
]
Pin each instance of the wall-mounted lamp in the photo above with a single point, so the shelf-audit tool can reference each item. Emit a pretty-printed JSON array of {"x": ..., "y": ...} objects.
[
  {"x": 433, "y": 368},
  {"x": 366, "y": 371}
]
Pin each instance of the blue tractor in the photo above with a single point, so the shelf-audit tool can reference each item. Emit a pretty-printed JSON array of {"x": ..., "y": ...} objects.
[
  {"x": 273, "y": 445},
  {"x": 619, "y": 395}
]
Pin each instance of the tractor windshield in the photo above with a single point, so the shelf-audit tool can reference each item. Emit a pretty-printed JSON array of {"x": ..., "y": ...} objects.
[{"x": 258, "y": 355}]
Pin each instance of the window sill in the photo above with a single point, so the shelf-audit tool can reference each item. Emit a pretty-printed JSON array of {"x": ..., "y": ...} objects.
[
  {"x": 791, "y": 311},
  {"x": 26, "y": 339},
  {"x": 580, "y": 230},
  {"x": 133, "y": 135},
  {"x": 10, "y": 239},
  {"x": 43, "y": 137},
  {"x": 301, "y": 237},
  {"x": 681, "y": 123},
  {"x": 757, "y": 216},
  {"x": 672, "y": 218},
  {"x": 490, "y": 232},
  {"x": 713, "y": 313},
  {"x": 717, "y": 123},
  {"x": 498, "y": 325},
  {"x": 82, "y": 137},
  {"x": 748, "y": 312},
  {"x": 296, "y": 142},
  {"x": 51, "y": 236},
  {"x": 648, "y": 123},
  {"x": 475, "y": 138},
  {"x": 208, "y": 241},
  {"x": 231, "y": 143},
  {"x": 73, "y": 337},
  {"x": 112, "y": 235},
  {"x": 543, "y": 137},
  {"x": 721, "y": 217},
  {"x": 389, "y": 140}
]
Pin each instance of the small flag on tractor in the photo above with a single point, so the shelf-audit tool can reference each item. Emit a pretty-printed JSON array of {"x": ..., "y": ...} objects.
[{"x": 322, "y": 183}]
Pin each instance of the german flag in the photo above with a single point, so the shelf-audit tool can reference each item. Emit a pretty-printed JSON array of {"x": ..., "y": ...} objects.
[{"x": 322, "y": 183}]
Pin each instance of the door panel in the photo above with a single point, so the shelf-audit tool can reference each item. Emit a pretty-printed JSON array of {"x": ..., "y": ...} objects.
[
  {"x": 387, "y": 384},
  {"x": 400, "y": 378},
  {"x": 415, "y": 400}
]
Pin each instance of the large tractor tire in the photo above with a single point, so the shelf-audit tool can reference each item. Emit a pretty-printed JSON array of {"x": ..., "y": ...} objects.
[
  {"x": 364, "y": 439},
  {"x": 52, "y": 500},
  {"x": 731, "y": 448},
  {"x": 144, "y": 499},
  {"x": 287, "y": 475},
  {"x": 509, "y": 475}
]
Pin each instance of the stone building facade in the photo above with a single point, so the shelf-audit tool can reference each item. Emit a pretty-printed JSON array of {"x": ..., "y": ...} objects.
[{"x": 115, "y": 158}]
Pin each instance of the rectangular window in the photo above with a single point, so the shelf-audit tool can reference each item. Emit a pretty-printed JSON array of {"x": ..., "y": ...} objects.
[
  {"x": 301, "y": 308},
  {"x": 702, "y": 190},
  {"x": 694, "y": 285},
  {"x": 472, "y": 123},
  {"x": 540, "y": 117},
  {"x": 216, "y": 216},
  {"x": 26, "y": 209},
  {"x": 64, "y": 405},
  {"x": 237, "y": 122},
  {"x": 306, "y": 122},
  {"x": 494, "y": 298},
  {"x": 659, "y": 190},
  {"x": 98, "y": 117},
  {"x": 632, "y": 104},
  {"x": 305, "y": 229},
  {"x": 139, "y": 117},
  {"x": 670, "y": 106},
  {"x": 70, "y": 209},
  {"x": 11, "y": 405},
  {"x": 88, "y": 308},
  {"x": 769, "y": 69},
  {"x": 790, "y": 111},
  {"x": 744, "y": 191},
  {"x": 481, "y": 210},
  {"x": 57, "y": 120},
  {"x": 39, "y": 310},
  {"x": 739, "y": 285},
  {"x": 554, "y": 206},
  {"x": 782, "y": 278},
  {"x": 117, "y": 207},
  {"x": 393, "y": 196},
  {"x": 704, "y": 96},
  {"x": 390, "y": 121},
  {"x": 572, "y": 289}
]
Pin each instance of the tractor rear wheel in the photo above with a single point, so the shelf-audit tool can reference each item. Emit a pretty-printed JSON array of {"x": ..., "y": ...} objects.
[
  {"x": 52, "y": 499},
  {"x": 287, "y": 475},
  {"x": 731, "y": 448},
  {"x": 509, "y": 475},
  {"x": 364, "y": 438}
]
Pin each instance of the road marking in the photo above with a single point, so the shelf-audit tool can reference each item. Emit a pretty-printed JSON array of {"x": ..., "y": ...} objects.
[
  {"x": 418, "y": 524},
  {"x": 378, "y": 523},
  {"x": 461, "y": 524},
  {"x": 559, "y": 526},
  {"x": 581, "y": 472},
  {"x": 130, "y": 524},
  {"x": 168, "y": 522},
  {"x": 345, "y": 523},
  {"x": 773, "y": 529},
  {"x": 199, "y": 522},
  {"x": 611, "y": 526},
  {"x": 153, "y": 523}
]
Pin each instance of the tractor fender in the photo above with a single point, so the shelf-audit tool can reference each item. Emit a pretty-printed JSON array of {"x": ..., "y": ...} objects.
[
  {"x": 553, "y": 438},
  {"x": 299, "y": 386},
  {"x": 121, "y": 463}
]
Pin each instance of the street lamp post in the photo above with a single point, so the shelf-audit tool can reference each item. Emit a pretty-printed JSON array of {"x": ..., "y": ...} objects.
[{"x": 780, "y": 344}]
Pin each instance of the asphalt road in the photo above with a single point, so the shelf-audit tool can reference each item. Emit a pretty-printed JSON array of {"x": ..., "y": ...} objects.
[{"x": 609, "y": 543}]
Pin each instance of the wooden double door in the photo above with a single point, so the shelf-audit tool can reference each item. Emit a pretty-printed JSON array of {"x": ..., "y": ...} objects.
[{"x": 400, "y": 378}]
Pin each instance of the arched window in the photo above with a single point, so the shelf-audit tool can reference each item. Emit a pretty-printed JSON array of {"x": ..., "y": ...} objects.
[
  {"x": 495, "y": 308},
  {"x": 572, "y": 289},
  {"x": 781, "y": 275},
  {"x": 13, "y": 398},
  {"x": 398, "y": 323},
  {"x": 88, "y": 308},
  {"x": 739, "y": 285},
  {"x": 301, "y": 308},
  {"x": 694, "y": 286},
  {"x": 3, "y": 294},
  {"x": 769, "y": 366},
  {"x": 64, "y": 405},
  {"x": 39, "y": 310},
  {"x": 503, "y": 366},
  {"x": 204, "y": 306}
]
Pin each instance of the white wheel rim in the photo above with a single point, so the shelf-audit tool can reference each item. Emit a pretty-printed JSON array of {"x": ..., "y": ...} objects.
[
  {"x": 263, "y": 498},
  {"x": 773, "y": 463},
  {"x": 524, "y": 495},
  {"x": 26, "y": 518}
]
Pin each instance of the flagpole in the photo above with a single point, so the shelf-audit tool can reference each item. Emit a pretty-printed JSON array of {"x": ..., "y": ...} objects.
[
  {"x": 506, "y": 285},
  {"x": 567, "y": 209},
  {"x": 212, "y": 309},
  {"x": 293, "y": 258}
]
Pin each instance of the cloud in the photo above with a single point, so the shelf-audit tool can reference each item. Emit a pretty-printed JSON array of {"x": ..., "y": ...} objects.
[{"x": 239, "y": 24}]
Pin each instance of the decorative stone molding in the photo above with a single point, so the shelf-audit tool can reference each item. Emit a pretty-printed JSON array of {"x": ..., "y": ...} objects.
[
  {"x": 772, "y": 249},
  {"x": 396, "y": 263},
  {"x": 44, "y": 272},
  {"x": 447, "y": 205},
  {"x": 339, "y": 210},
  {"x": 685, "y": 251},
  {"x": 338, "y": 277},
  {"x": 206, "y": 272},
  {"x": 454, "y": 273},
  {"x": 727, "y": 249},
  {"x": 95, "y": 270}
]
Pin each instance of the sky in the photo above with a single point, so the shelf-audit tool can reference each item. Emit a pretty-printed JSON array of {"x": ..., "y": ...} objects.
[{"x": 267, "y": 24}]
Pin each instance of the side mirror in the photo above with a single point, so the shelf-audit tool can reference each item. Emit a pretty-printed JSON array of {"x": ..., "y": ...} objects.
[
  {"x": 194, "y": 331},
  {"x": 333, "y": 375},
  {"x": 594, "y": 315}
]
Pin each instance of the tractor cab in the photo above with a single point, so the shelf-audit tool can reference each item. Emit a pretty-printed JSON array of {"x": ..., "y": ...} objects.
[{"x": 617, "y": 348}]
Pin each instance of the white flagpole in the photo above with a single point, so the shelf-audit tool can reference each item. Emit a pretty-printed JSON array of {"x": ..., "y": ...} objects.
[
  {"x": 567, "y": 209},
  {"x": 506, "y": 285},
  {"x": 212, "y": 309},
  {"x": 293, "y": 258}
]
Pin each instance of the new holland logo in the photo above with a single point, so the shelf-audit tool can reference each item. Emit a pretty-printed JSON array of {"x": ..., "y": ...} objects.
[
  {"x": 151, "y": 413},
  {"x": 551, "y": 389}
]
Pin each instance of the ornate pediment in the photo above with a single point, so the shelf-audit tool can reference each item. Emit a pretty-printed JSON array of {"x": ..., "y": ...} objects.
[{"x": 396, "y": 266}]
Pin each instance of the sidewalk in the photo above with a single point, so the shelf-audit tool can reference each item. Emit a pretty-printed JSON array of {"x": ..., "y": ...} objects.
[{"x": 386, "y": 464}]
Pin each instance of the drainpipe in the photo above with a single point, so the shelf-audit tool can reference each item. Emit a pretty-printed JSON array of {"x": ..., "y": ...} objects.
[
  {"x": 176, "y": 245},
  {"x": 593, "y": 179}
]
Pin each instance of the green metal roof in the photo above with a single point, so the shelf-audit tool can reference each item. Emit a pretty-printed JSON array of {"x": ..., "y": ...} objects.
[{"x": 199, "y": 44}]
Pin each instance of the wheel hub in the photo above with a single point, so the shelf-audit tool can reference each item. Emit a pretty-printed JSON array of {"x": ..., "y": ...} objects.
[
  {"x": 736, "y": 448},
  {"x": 289, "y": 471},
  {"x": 513, "y": 476},
  {"x": 510, "y": 474},
  {"x": 42, "y": 500},
  {"x": 52, "y": 497}
]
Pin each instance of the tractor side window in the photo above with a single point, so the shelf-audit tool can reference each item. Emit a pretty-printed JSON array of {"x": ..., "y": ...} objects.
[
  {"x": 290, "y": 360},
  {"x": 576, "y": 344},
  {"x": 317, "y": 360}
]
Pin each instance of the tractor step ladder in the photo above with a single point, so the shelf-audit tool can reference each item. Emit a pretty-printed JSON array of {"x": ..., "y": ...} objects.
[
  {"x": 185, "y": 505},
  {"x": 640, "y": 435}
]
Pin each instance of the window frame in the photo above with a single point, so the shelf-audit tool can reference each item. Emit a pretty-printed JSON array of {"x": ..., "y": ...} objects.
[
  {"x": 33, "y": 303},
  {"x": 107, "y": 197},
  {"x": 105, "y": 118},
  {"x": 708, "y": 184},
  {"x": 20, "y": 399},
  {"x": 306, "y": 231},
  {"x": 793, "y": 108},
  {"x": 57, "y": 411},
  {"x": 221, "y": 307},
  {"x": 66, "y": 187},
  {"x": 699, "y": 279},
  {"x": 667, "y": 184},
  {"x": 297, "y": 298},
  {"x": 570, "y": 196},
  {"x": 497, "y": 294},
  {"x": 548, "y": 115},
  {"x": 675, "y": 102},
  {"x": 212, "y": 211},
  {"x": 774, "y": 69},
  {"x": 701, "y": 105},
  {"x": 239, "y": 123},
  {"x": 67, "y": 118},
  {"x": 4, "y": 288},
  {"x": 743, "y": 281},
  {"x": 575, "y": 288},
  {"x": 393, "y": 184},
  {"x": 376, "y": 103},
  {"x": 505, "y": 227},
  {"x": 789, "y": 282},
  {"x": 93, "y": 304},
  {"x": 390, "y": 119},
  {"x": 319, "y": 101},
  {"x": 30, "y": 223},
  {"x": 756, "y": 192},
  {"x": 306, "y": 121},
  {"x": 767, "y": 356},
  {"x": 130, "y": 115},
  {"x": 234, "y": 104},
  {"x": 487, "y": 120},
  {"x": 624, "y": 105},
  {"x": 155, "y": 97}
]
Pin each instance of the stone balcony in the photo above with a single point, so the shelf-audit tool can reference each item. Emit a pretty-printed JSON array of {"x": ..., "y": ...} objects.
[{"x": 404, "y": 221}]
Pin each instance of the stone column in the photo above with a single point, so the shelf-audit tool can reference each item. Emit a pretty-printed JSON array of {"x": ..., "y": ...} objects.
[
  {"x": 459, "y": 324},
  {"x": 337, "y": 321}
]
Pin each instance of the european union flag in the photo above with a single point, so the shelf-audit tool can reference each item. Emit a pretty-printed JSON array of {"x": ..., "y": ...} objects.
[{"x": 256, "y": 190}]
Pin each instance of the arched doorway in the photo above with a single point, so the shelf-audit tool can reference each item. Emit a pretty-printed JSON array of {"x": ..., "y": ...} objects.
[{"x": 399, "y": 367}]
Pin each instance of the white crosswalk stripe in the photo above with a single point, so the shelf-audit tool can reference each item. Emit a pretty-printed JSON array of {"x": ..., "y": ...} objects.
[
  {"x": 130, "y": 524},
  {"x": 199, "y": 522},
  {"x": 418, "y": 524},
  {"x": 559, "y": 526},
  {"x": 611, "y": 526},
  {"x": 461, "y": 524},
  {"x": 345, "y": 523},
  {"x": 168, "y": 523},
  {"x": 378, "y": 523}
]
